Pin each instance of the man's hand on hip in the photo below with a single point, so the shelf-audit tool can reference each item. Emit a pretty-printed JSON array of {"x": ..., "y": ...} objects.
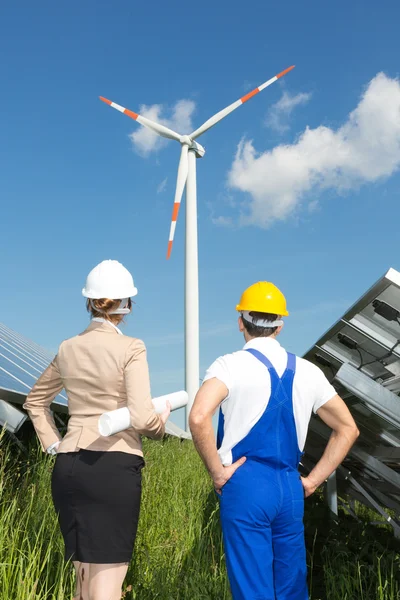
[
  {"x": 220, "y": 478},
  {"x": 309, "y": 486}
]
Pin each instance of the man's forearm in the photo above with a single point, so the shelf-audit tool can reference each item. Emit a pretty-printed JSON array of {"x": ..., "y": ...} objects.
[
  {"x": 336, "y": 450},
  {"x": 204, "y": 440}
]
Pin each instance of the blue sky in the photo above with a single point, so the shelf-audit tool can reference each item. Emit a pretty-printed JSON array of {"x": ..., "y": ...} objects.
[{"x": 314, "y": 210}]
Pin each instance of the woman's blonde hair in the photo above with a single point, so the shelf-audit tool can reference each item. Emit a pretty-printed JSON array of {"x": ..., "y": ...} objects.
[{"x": 103, "y": 306}]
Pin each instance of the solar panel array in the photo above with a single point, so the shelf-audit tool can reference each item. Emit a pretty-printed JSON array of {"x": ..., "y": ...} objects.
[
  {"x": 360, "y": 355},
  {"x": 22, "y": 362}
]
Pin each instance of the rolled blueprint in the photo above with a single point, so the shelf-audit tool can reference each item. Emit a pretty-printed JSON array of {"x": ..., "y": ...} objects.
[
  {"x": 114, "y": 421},
  {"x": 118, "y": 420},
  {"x": 176, "y": 400}
]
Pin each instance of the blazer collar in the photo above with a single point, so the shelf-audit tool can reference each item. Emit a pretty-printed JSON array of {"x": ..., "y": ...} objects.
[{"x": 103, "y": 327}]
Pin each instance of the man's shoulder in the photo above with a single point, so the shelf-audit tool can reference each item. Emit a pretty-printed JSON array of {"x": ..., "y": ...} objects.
[
  {"x": 225, "y": 363},
  {"x": 231, "y": 357},
  {"x": 306, "y": 366},
  {"x": 312, "y": 376},
  {"x": 303, "y": 363}
]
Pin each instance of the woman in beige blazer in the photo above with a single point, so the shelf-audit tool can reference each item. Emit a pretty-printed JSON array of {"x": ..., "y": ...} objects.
[{"x": 96, "y": 481}]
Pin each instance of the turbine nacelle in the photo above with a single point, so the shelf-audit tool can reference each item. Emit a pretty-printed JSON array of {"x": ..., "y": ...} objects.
[{"x": 193, "y": 145}]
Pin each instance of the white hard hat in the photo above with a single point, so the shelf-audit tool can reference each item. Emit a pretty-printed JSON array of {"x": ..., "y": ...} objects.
[{"x": 109, "y": 279}]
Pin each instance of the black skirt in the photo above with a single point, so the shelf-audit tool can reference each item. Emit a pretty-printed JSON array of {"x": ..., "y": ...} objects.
[{"x": 97, "y": 498}]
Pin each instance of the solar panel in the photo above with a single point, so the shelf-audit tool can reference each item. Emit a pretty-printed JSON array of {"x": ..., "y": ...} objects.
[
  {"x": 21, "y": 363},
  {"x": 360, "y": 355}
]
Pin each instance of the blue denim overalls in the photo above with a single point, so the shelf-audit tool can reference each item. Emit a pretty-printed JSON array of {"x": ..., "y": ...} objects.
[{"x": 262, "y": 505}]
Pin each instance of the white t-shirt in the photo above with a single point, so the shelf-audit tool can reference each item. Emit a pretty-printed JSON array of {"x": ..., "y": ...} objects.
[{"x": 249, "y": 388}]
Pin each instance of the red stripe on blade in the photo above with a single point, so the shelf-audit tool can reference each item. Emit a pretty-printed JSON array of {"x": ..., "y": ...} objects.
[
  {"x": 131, "y": 114},
  {"x": 169, "y": 250},
  {"x": 285, "y": 71},
  {"x": 175, "y": 211},
  {"x": 249, "y": 95}
]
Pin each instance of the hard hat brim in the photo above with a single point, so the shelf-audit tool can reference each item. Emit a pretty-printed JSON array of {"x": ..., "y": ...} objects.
[
  {"x": 241, "y": 308},
  {"x": 129, "y": 293}
]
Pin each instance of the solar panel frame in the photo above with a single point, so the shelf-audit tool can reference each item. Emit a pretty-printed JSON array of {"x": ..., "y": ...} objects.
[{"x": 364, "y": 367}]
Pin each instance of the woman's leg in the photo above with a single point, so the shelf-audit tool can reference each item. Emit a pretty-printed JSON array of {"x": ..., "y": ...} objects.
[
  {"x": 105, "y": 581},
  {"x": 82, "y": 581}
]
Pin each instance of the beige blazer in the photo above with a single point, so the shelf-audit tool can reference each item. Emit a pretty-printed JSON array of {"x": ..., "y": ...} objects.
[{"x": 100, "y": 370}]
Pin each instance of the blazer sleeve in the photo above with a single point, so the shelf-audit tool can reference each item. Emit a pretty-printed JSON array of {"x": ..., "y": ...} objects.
[
  {"x": 144, "y": 419},
  {"x": 38, "y": 402}
]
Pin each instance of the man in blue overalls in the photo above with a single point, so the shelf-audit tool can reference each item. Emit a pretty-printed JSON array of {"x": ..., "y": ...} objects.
[{"x": 265, "y": 398}]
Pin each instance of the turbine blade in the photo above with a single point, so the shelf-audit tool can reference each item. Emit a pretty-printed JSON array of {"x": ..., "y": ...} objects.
[
  {"x": 156, "y": 127},
  {"x": 226, "y": 111},
  {"x": 180, "y": 186}
]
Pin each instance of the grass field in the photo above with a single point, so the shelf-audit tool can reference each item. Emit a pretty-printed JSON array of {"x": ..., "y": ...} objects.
[{"x": 179, "y": 553}]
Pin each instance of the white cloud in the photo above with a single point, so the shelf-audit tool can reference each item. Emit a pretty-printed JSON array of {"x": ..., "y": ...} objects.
[
  {"x": 363, "y": 150},
  {"x": 180, "y": 120},
  {"x": 228, "y": 200},
  {"x": 279, "y": 113},
  {"x": 222, "y": 221},
  {"x": 162, "y": 186}
]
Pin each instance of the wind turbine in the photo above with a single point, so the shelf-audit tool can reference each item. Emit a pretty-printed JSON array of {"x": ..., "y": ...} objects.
[{"x": 190, "y": 150}]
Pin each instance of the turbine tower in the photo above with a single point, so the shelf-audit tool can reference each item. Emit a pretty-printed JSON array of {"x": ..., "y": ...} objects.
[{"x": 190, "y": 151}]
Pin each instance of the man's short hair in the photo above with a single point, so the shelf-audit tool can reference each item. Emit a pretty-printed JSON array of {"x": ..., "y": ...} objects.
[{"x": 256, "y": 330}]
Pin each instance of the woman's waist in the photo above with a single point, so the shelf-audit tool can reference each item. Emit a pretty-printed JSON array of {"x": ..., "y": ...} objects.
[
  {"x": 91, "y": 418},
  {"x": 90, "y": 423},
  {"x": 78, "y": 420},
  {"x": 83, "y": 432}
]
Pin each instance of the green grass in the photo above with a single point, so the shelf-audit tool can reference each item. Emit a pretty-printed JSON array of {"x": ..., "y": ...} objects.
[{"x": 179, "y": 553}]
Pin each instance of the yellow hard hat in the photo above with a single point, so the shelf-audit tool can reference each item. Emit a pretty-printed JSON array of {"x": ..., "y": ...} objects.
[{"x": 263, "y": 297}]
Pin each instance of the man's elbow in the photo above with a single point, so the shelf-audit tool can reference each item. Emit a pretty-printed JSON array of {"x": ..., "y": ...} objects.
[
  {"x": 355, "y": 432},
  {"x": 351, "y": 432},
  {"x": 196, "y": 420}
]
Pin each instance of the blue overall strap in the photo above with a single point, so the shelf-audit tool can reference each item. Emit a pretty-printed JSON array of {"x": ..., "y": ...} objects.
[
  {"x": 275, "y": 381},
  {"x": 262, "y": 358},
  {"x": 291, "y": 363},
  {"x": 283, "y": 383}
]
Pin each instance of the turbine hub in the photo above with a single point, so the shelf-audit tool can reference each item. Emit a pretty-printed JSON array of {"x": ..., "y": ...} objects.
[
  {"x": 185, "y": 139},
  {"x": 198, "y": 148}
]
